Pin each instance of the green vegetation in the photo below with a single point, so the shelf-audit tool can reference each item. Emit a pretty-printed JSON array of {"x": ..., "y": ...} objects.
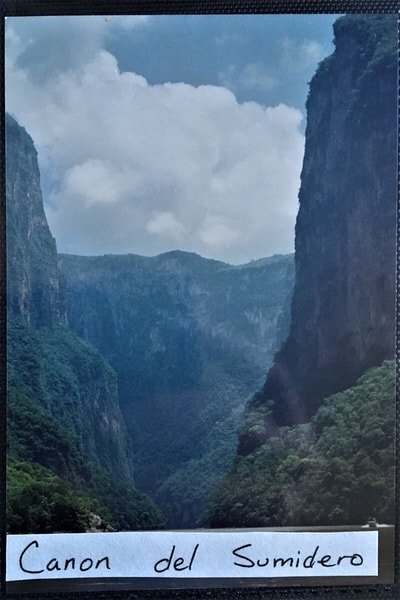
[
  {"x": 35, "y": 438},
  {"x": 40, "y": 502},
  {"x": 54, "y": 484},
  {"x": 61, "y": 373},
  {"x": 337, "y": 469},
  {"x": 184, "y": 494}
]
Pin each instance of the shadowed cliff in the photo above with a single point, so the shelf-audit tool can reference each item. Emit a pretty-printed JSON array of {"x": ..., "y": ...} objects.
[{"x": 343, "y": 309}]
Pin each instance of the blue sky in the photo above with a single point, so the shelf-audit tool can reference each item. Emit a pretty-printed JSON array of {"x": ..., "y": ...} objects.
[
  {"x": 165, "y": 132},
  {"x": 217, "y": 49}
]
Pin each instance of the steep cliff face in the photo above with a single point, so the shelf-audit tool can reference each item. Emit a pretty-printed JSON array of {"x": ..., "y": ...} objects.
[
  {"x": 76, "y": 386},
  {"x": 190, "y": 340},
  {"x": 142, "y": 307},
  {"x": 35, "y": 287},
  {"x": 67, "y": 376},
  {"x": 343, "y": 308}
]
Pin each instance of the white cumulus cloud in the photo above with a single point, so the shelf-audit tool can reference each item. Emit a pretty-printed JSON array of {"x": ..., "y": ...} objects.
[{"x": 148, "y": 168}]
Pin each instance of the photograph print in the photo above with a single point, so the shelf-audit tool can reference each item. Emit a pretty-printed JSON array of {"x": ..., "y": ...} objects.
[{"x": 201, "y": 244}]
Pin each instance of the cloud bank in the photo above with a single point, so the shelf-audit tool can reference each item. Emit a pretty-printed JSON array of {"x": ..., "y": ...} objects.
[{"x": 149, "y": 168}]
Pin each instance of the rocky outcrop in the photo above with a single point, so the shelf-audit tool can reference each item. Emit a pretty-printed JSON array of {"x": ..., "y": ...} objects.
[
  {"x": 56, "y": 368},
  {"x": 343, "y": 310},
  {"x": 35, "y": 287}
]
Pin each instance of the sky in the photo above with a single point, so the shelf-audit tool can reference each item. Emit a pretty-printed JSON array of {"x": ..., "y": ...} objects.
[{"x": 167, "y": 132}]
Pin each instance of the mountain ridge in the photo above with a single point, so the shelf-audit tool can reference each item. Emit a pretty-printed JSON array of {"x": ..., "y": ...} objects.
[{"x": 177, "y": 255}]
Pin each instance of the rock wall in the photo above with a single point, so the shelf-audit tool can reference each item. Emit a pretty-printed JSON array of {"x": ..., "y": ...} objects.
[
  {"x": 36, "y": 289},
  {"x": 67, "y": 376},
  {"x": 343, "y": 309}
]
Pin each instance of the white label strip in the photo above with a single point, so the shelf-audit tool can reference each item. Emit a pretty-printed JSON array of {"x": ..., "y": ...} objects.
[{"x": 192, "y": 554}]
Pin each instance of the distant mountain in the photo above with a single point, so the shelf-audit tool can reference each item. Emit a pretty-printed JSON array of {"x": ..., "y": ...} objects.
[
  {"x": 63, "y": 411},
  {"x": 190, "y": 339}
]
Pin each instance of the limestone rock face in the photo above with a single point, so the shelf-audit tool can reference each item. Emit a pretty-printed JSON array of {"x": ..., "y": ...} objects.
[
  {"x": 64, "y": 374},
  {"x": 343, "y": 309},
  {"x": 36, "y": 290}
]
